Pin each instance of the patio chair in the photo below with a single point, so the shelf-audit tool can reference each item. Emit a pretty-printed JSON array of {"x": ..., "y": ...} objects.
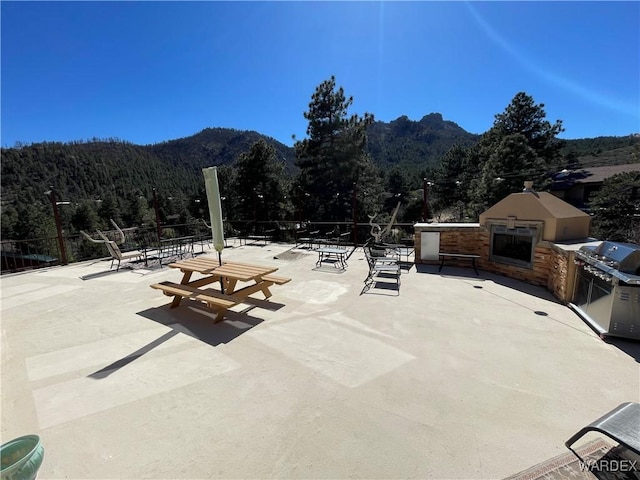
[
  {"x": 386, "y": 266},
  {"x": 116, "y": 254},
  {"x": 308, "y": 238},
  {"x": 381, "y": 253}
]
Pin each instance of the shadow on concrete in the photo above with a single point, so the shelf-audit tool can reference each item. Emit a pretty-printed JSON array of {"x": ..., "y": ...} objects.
[
  {"x": 328, "y": 269},
  {"x": 382, "y": 288},
  {"x": 104, "y": 273},
  {"x": 139, "y": 268},
  {"x": 118, "y": 364},
  {"x": 469, "y": 274},
  {"x": 449, "y": 272},
  {"x": 198, "y": 321},
  {"x": 533, "y": 290},
  {"x": 291, "y": 254},
  {"x": 630, "y": 347}
]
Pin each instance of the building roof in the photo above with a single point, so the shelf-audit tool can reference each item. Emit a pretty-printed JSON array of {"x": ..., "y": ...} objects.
[
  {"x": 532, "y": 206},
  {"x": 593, "y": 175}
]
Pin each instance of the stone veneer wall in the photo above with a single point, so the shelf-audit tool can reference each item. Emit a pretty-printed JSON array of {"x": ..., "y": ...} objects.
[
  {"x": 453, "y": 240},
  {"x": 559, "y": 282},
  {"x": 550, "y": 265}
]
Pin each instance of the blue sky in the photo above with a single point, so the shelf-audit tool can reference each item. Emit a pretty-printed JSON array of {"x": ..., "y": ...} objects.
[{"x": 147, "y": 72}]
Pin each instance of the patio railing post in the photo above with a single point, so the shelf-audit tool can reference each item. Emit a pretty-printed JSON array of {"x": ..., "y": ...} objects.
[
  {"x": 155, "y": 206},
  {"x": 355, "y": 216},
  {"x": 56, "y": 215}
]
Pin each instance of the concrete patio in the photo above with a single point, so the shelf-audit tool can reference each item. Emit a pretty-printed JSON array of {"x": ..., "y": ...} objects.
[{"x": 457, "y": 376}]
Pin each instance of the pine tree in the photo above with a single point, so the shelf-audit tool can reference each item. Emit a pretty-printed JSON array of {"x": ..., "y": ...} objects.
[
  {"x": 521, "y": 145},
  {"x": 334, "y": 156},
  {"x": 260, "y": 184}
]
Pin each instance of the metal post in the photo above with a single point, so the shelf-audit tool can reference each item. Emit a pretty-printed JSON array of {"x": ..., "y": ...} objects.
[
  {"x": 56, "y": 216},
  {"x": 355, "y": 216},
  {"x": 425, "y": 209},
  {"x": 255, "y": 211},
  {"x": 155, "y": 206}
]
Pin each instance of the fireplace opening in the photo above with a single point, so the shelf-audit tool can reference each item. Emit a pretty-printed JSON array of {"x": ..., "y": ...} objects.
[{"x": 513, "y": 246}]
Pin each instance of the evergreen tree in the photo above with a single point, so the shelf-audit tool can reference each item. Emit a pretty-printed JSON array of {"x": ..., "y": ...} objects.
[
  {"x": 521, "y": 145},
  {"x": 616, "y": 208},
  {"x": 450, "y": 190},
  {"x": 36, "y": 223},
  {"x": 334, "y": 156},
  {"x": 260, "y": 184},
  {"x": 85, "y": 217}
]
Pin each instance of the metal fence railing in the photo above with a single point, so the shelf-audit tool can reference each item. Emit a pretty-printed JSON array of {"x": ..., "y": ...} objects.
[{"x": 20, "y": 255}]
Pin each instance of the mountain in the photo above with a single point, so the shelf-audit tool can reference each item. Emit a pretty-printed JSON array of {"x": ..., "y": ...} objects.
[
  {"x": 97, "y": 169},
  {"x": 602, "y": 151},
  {"x": 214, "y": 147},
  {"x": 422, "y": 143}
]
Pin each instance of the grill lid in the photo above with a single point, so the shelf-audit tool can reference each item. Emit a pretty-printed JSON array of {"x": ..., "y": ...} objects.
[
  {"x": 621, "y": 260},
  {"x": 625, "y": 255}
]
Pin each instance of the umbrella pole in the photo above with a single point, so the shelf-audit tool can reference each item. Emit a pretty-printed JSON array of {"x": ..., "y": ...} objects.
[{"x": 220, "y": 263}]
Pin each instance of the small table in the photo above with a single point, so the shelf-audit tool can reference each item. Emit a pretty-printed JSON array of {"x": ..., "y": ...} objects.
[{"x": 332, "y": 254}]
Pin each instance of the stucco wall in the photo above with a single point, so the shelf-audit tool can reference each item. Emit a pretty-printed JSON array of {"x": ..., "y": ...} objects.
[{"x": 571, "y": 228}]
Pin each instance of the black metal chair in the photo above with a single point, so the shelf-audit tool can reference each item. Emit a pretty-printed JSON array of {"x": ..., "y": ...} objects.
[{"x": 387, "y": 266}]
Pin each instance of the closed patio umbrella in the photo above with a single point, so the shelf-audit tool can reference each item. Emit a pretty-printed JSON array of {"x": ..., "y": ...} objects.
[{"x": 215, "y": 208}]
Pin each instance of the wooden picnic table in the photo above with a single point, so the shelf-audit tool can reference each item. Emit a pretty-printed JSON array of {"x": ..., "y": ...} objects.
[{"x": 259, "y": 278}]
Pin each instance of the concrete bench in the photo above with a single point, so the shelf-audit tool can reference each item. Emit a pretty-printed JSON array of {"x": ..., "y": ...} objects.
[
  {"x": 216, "y": 301},
  {"x": 461, "y": 256}
]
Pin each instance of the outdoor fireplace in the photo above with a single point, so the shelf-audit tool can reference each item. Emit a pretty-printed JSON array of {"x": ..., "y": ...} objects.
[
  {"x": 513, "y": 246},
  {"x": 518, "y": 223},
  {"x": 528, "y": 236}
]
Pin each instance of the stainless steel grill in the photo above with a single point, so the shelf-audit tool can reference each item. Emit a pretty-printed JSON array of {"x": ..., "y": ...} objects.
[{"x": 607, "y": 288}]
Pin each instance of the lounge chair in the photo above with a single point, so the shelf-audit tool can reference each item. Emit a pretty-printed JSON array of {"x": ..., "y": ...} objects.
[
  {"x": 116, "y": 254},
  {"x": 621, "y": 424}
]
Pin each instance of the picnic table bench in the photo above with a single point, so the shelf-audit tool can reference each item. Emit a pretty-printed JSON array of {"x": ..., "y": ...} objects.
[
  {"x": 228, "y": 274},
  {"x": 462, "y": 256},
  {"x": 215, "y": 300}
]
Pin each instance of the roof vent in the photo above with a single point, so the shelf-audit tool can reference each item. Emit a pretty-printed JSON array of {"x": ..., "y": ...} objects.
[{"x": 528, "y": 186}]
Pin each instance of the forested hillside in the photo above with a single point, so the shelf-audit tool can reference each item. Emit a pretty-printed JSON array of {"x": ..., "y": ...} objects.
[
  {"x": 114, "y": 178},
  {"x": 90, "y": 170},
  {"x": 214, "y": 147},
  {"x": 422, "y": 144},
  {"x": 601, "y": 151}
]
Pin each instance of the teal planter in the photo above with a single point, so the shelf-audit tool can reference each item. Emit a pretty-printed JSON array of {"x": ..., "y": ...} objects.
[{"x": 21, "y": 458}]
